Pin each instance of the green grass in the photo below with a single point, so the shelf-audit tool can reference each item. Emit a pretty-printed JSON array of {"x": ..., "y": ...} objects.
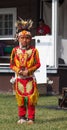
[{"x": 48, "y": 116}]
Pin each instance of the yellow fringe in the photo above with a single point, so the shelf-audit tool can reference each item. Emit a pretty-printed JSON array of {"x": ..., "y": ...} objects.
[
  {"x": 34, "y": 97},
  {"x": 20, "y": 99}
]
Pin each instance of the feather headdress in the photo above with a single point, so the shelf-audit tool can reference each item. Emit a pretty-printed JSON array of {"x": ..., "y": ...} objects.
[{"x": 23, "y": 24}]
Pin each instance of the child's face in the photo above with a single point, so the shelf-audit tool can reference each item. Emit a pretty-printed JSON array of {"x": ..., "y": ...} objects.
[
  {"x": 24, "y": 40},
  {"x": 41, "y": 23}
]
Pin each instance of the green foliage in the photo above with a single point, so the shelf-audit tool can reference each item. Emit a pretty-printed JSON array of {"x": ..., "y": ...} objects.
[{"x": 48, "y": 115}]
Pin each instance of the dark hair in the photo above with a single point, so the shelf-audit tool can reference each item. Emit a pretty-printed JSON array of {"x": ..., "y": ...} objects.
[{"x": 41, "y": 20}]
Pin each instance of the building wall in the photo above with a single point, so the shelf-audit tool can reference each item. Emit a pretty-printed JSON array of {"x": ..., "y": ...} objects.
[
  {"x": 5, "y": 85},
  {"x": 26, "y": 9}
]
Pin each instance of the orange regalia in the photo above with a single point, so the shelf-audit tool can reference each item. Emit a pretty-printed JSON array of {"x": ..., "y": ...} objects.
[{"x": 25, "y": 86}]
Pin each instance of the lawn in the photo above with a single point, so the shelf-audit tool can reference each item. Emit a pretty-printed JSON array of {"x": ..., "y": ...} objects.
[{"x": 48, "y": 115}]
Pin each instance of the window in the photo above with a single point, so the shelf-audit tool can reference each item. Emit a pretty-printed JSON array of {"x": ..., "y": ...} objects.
[{"x": 7, "y": 22}]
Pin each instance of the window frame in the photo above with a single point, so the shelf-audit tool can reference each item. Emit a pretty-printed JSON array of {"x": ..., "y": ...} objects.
[{"x": 8, "y": 11}]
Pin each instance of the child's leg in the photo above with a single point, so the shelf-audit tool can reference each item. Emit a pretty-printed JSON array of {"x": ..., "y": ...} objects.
[
  {"x": 31, "y": 112},
  {"x": 21, "y": 111},
  {"x": 21, "y": 114}
]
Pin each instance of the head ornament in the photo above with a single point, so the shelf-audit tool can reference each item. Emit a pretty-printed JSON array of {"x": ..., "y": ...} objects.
[{"x": 23, "y": 25}]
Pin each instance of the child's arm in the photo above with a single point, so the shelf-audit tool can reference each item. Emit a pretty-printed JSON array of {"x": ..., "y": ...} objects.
[
  {"x": 36, "y": 63},
  {"x": 12, "y": 62}
]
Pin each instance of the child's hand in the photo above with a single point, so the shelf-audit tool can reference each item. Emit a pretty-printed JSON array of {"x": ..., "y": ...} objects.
[{"x": 23, "y": 72}]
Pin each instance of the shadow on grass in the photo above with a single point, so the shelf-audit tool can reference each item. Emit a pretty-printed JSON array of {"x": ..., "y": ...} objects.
[{"x": 52, "y": 107}]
